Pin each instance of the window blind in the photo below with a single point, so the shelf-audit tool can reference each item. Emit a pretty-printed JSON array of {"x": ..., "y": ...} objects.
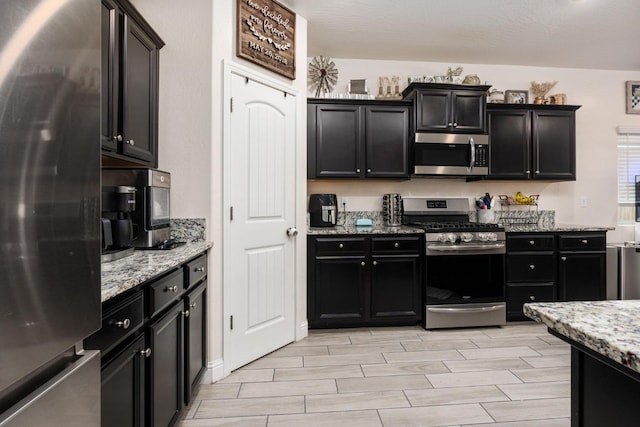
[{"x": 628, "y": 169}]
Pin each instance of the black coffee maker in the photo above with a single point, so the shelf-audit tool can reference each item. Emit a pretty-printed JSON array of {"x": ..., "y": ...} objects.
[{"x": 118, "y": 204}]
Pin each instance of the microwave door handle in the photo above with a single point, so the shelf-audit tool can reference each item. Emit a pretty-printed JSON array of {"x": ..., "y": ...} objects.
[{"x": 472, "y": 149}]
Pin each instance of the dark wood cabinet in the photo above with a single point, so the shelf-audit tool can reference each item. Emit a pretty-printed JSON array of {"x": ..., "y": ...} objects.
[
  {"x": 448, "y": 108},
  {"x": 582, "y": 267},
  {"x": 532, "y": 142},
  {"x": 358, "y": 139},
  {"x": 152, "y": 362},
  {"x": 358, "y": 280},
  {"x": 129, "y": 86}
]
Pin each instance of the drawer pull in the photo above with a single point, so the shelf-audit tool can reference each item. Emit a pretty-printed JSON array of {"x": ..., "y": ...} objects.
[
  {"x": 563, "y": 258},
  {"x": 124, "y": 324},
  {"x": 532, "y": 242},
  {"x": 193, "y": 305},
  {"x": 531, "y": 266},
  {"x": 146, "y": 353},
  {"x": 186, "y": 313},
  {"x": 585, "y": 241},
  {"x": 363, "y": 263},
  {"x": 171, "y": 289},
  {"x": 532, "y": 298},
  {"x": 199, "y": 269},
  {"x": 396, "y": 245},
  {"x": 341, "y": 245},
  {"x": 375, "y": 262}
]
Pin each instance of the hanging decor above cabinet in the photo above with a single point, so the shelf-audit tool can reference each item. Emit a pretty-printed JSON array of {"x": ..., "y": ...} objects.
[{"x": 323, "y": 75}]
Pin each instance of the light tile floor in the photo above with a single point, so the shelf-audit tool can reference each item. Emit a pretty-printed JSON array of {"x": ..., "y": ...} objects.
[{"x": 517, "y": 375}]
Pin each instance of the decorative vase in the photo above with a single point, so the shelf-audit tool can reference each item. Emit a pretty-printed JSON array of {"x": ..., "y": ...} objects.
[{"x": 540, "y": 100}]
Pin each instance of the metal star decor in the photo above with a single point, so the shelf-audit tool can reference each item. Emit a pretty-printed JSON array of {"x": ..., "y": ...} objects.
[{"x": 323, "y": 75}]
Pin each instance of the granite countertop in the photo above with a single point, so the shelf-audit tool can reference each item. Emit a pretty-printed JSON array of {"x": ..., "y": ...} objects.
[
  {"x": 126, "y": 273},
  {"x": 611, "y": 328},
  {"x": 554, "y": 228},
  {"x": 352, "y": 229}
]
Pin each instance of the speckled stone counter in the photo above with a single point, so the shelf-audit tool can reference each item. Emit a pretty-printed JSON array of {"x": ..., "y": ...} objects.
[
  {"x": 556, "y": 228},
  {"x": 352, "y": 229},
  {"x": 121, "y": 275},
  {"x": 611, "y": 328},
  {"x": 605, "y": 345}
]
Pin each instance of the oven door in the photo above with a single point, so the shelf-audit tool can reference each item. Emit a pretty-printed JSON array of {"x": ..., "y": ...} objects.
[
  {"x": 451, "y": 154},
  {"x": 465, "y": 291}
]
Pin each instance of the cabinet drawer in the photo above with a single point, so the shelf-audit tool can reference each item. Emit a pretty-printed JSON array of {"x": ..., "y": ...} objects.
[
  {"x": 529, "y": 267},
  {"x": 390, "y": 245},
  {"x": 517, "y": 295},
  {"x": 164, "y": 291},
  {"x": 118, "y": 322},
  {"x": 582, "y": 242},
  {"x": 340, "y": 246},
  {"x": 530, "y": 242},
  {"x": 196, "y": 270}
]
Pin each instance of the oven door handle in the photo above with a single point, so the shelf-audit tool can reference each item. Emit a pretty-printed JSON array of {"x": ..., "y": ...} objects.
[
  {"x": 472, "y": 151},
  {"x": 464, "y": 248},
  {"x": 466, "y": 309}
]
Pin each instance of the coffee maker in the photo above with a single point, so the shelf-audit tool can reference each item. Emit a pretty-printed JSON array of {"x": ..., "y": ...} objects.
[
  {"x": 323, "y": 210},
  {"x": 118, "y": 205}
]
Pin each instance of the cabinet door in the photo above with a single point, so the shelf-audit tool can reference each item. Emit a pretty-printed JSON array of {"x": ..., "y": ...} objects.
[
  {"x": 554, "y": 145},
  {"x": 166, "y": 370},
  {"x": 337, "y": 295},
  {"x": 433, "y": 111},
  {"x": 582, "y": 276},
  {"x": 338, "y": 149},
  {"x": 196, "y": 339},
  {"x": 110, "y": 74},
  {"x": 140, "y": 94},
  {"x": 509, "y": 144},
  {"x": 468, "y": 111},
  {"x": 520, "y": 293},
  {"x": 122, "y": 388},
  {"x": 396, "y": 284},
  {"x": 387, "y": 142}
]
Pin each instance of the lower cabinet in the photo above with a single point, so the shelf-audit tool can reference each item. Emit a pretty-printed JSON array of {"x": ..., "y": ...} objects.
[
  {"x": 582, "y": 267},
  {"x": 152, "y": 363},
  {"x": 356, "y": 280}
]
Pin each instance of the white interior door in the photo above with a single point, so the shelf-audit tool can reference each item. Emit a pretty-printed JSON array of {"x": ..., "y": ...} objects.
[{"x": 259, "y": 254}]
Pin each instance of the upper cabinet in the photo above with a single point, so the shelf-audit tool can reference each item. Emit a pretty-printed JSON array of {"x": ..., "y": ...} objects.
[
  {"x": 358, "y": 139},
  {"x": 129, "y": 86},
  {"x": 532, "y": 141},
  {"x": 448, "y": 108}
]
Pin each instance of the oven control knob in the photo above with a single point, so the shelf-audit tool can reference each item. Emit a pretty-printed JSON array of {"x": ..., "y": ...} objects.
[
  {"x": 482, "y": 237},
  {"x": 441, "y": 237},
  {"x": 451, "y": 237},
  {"x": 466, "y": 237},
  {"x": 492, "y": 237}
]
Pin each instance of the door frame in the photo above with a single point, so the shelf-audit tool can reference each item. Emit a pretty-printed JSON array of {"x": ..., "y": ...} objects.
[{"x": 300, "y": 294}]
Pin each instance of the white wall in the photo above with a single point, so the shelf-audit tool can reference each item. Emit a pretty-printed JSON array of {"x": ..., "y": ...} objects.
[{"x": 602, "y": 97}]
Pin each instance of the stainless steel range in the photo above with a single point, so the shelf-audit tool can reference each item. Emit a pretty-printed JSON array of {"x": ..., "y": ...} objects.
[{"x": 465, "y": 264}]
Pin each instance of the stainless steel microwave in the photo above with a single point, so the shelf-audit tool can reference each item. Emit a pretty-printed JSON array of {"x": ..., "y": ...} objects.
[{"x": 449, "y": 154}]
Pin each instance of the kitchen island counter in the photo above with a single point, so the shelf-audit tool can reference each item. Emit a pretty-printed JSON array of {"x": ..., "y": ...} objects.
[
  {"x": 126, "y": 273},
  {"x": 605, "y": 350}
]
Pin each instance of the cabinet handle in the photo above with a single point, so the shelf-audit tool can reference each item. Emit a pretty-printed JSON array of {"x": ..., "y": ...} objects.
[
  {"x": 368, "y": 170},
  {"x": 532, "y": 298},
  {"x": 532, "y": 242},
  {"x": 341, "y": 246},
  {"x": 146, "y": 353},
  {"x": 455, "y": 124},
  {"x": 193, "y": 305},
  {"x": 527, "y": 172},
  {"x": 450, "y": 124},
  {"x": 396, "y": 245},
  {"x": 358, "y": 170},
  {"x": 537, "y": 172},
  {"x": 563, "y": 258},
  {"x": 130, "y": 142},
  {"x": 124, "y": 324},
  {"x": 171, "y": 289},
  {"x": 363, "y": 263},
  {"x": 375, "y": 262},
  {"x": 117, "y": 138},
  {"x": 585, "y": 241},
  {"x": 199, "y": 269},
  {"x": 531, "y": 266},
  {"x": 186, "y": 313}
]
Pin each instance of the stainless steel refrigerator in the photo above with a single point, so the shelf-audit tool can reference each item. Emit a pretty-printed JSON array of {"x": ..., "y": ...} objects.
[{"x": 50, "y": 63}]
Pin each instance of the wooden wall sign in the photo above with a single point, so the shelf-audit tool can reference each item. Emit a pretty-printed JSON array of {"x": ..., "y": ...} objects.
[{"x": 266, "y": 35}]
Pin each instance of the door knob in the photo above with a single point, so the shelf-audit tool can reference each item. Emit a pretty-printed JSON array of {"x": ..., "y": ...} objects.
[{"x": 292, "y": 232}]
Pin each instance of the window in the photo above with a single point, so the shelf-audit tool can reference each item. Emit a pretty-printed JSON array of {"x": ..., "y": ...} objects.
[{"x": 628, "y": 169}]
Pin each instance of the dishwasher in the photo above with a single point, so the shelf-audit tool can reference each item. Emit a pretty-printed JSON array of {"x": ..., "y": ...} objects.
[{"x": 623, "y": 271}]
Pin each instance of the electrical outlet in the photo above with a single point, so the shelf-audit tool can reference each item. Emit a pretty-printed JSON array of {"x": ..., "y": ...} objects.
[
  {"x": 583, "y": 201},
  {"x": 343, "y": 201}
]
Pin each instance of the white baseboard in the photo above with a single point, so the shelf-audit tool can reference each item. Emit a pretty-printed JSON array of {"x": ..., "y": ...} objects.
[
  {"x": 303, "y": 330},
  {"x": 214, "y": 372}
]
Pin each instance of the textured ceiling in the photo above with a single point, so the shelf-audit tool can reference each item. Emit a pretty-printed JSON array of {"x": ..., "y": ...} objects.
[{"x": 595, "y": 34}]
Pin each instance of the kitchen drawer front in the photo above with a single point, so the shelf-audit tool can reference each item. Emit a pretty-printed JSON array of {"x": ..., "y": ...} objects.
[
  {"x": 531, "y": 267},
  {"x": 582, "y": 242},
  {"x": 396, "y": 244},
  {"x": 118, "y": 322},
  {"x": 340, "y": 246},
  {"x": 519, "y": 294},
  {"x": 164, "y": 291},
  {"x": 530, "y": 242},
  {"x": 195, "y": 271}
]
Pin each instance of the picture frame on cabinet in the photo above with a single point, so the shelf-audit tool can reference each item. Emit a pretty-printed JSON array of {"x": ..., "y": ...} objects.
[
  {"x": 633, "y": 97},
  {"x": 516, "y": 96}
]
